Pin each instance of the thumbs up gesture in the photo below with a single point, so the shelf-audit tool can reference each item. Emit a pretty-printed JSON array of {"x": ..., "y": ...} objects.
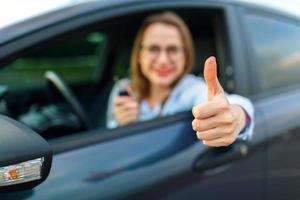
[{"x": 217, "y": 122}]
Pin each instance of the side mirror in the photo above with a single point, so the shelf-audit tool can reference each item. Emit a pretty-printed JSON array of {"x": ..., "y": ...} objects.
[{"x": 25, "y": 157}]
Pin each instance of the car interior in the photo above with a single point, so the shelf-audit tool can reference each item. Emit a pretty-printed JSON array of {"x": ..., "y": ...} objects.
[{"x": 61, "y": 86}]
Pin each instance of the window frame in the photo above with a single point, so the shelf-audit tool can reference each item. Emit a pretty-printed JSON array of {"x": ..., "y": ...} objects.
[
  {"x": 21, "y": 45},
  {"x": 256, "y": 92}
]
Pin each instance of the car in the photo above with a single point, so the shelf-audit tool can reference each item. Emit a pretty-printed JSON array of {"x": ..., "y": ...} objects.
[{"x": 56, "y": 74}]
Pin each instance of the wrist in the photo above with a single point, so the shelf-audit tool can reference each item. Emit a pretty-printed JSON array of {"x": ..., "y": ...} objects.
[{"x": 241, "y": 116}]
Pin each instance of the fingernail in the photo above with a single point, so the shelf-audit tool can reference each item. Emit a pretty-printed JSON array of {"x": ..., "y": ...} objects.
[
  {"x": 193, "y": 125},
  {"x": 194, "y": 111}
]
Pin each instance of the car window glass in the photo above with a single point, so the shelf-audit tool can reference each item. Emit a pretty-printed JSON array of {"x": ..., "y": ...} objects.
[
  {"x": 276, "y": 47},
  {"x": 28, "y": 96},
  {"x": 79, "y": 57},
  {"x": 74, "y": 58},
  {"x": 204, "y": 34}
]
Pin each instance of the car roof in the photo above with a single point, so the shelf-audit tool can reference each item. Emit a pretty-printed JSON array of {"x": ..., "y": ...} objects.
[
  {"x": 291, "y": 7},
  {"x": 79, "y": 8}
]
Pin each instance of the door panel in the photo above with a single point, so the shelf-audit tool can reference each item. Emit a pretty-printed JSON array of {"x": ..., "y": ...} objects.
[
  {"x": 155, "y": 163},
  {"x": 284, "y": 166},
  {"x": 231, "y": 180},
  {"x": 225, "y": 182},
  {"x": 129, "y": 163},
  {"x": 283, "y": 148}
]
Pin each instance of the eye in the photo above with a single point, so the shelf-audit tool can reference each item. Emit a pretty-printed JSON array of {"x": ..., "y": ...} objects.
[
  {"x": 154, "y": 49},
  {"x": 173, "y": 50}
]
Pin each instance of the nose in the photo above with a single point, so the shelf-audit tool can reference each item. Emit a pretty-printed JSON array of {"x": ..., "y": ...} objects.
[{"x": 162, "y": 57}]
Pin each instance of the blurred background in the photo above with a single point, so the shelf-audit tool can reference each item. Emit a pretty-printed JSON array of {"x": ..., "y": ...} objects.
[{"x": 15, "y": 10}]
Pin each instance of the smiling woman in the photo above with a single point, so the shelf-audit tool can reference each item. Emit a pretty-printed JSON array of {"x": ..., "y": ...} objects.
[{"x": 162, "y": 57}]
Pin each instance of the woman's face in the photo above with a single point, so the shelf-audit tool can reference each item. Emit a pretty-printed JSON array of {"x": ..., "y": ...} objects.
[{"x": 162, "y": 57}]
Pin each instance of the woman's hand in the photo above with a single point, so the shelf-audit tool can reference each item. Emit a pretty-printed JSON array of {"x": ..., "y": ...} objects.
[
  {"x": 217, "y": 123},
  {"x": 125, "y": 109}
]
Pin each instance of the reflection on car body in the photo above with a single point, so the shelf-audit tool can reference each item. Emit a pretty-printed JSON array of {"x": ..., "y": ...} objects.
[{"x": 88, "y": 44}]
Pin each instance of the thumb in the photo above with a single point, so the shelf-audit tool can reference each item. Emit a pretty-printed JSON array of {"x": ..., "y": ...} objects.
[
  {"x": 210, "y": 76},
  {"x": 130, "y": 92}
]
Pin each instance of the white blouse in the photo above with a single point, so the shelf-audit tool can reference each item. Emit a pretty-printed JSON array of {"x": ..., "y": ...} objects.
[{"x": 189, "y": 91}]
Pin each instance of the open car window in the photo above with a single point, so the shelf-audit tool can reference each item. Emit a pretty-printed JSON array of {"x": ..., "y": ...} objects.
[{"x": 88, "y": 59}]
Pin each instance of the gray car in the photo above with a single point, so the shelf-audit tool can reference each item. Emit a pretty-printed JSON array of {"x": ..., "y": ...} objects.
[{"x": 56, "y": 74}]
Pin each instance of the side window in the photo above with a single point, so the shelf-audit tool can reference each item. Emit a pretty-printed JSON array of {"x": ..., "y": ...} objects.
[
  {"x": 74, "y": 58},
  {"x": 276, "y": 47},
  {"x": 27, "y": 96}
]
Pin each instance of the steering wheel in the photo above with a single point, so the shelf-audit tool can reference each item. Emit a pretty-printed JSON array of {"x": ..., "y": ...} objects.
[{"x": 63, "y": 88}]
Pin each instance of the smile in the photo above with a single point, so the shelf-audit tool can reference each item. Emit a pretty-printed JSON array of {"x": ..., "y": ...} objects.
[{"x": 160, "y": 72}]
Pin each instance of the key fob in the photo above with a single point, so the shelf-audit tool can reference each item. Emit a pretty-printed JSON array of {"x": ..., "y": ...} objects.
[{"x": 123, "y": 93}]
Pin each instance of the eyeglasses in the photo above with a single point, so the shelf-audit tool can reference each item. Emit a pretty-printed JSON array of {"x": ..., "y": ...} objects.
[{"x": 173, "y": 52}]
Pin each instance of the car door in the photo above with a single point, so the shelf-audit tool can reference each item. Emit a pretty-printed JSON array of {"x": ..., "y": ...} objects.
[
  {"x": 159, "y": 158},
  {"x": 274, "y": 48}
]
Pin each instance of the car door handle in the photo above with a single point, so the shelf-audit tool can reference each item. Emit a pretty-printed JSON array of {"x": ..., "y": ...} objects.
[{"x": 215, "y": 157}]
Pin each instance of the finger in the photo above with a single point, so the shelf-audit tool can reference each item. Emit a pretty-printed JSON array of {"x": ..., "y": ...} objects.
[
  {"x": 123, "y": 114},
  {"x": 120, "y": 100},
  {"x": 203, "y": 124},
  {"x": 126, "y": 121},
  {"x": 219, "y": 142},
  {"x": 209, "y": 134},
  {"x": 224, "y": 120},
  {"x": 210, "y": 76},
  {"x": 126, "y": 117},
  {"x": 220, "y": 120},
  {"x": 210, "y": 108},
  {"x": 213, "y": 143},
  {"x": 130, "y": 92},
  {"x": 131, "y": 115},
  {"x": 218, "y": 132},
  {"x": 128, "y": 106}
]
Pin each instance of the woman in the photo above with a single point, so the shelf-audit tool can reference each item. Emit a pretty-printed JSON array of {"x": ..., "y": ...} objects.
[{"x": 160, "y": 84}]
